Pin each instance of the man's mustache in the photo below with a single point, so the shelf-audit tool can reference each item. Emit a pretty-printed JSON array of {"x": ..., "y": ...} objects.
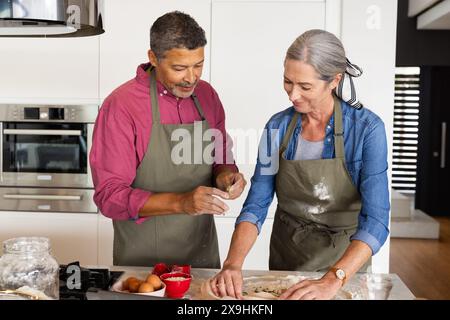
[{"x": 186, "y": 84}]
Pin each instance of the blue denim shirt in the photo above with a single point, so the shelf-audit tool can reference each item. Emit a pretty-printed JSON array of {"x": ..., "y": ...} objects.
[{"x": 366, "y": 159}]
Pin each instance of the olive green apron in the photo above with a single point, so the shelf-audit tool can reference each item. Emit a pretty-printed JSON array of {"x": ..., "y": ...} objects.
[
  {"x": 177, "y": 238},
  {"x": 318, "y": 207}
]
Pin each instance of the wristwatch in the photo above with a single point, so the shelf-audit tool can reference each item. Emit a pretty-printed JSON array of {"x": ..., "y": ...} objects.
[{"x": 340, "y": 274}]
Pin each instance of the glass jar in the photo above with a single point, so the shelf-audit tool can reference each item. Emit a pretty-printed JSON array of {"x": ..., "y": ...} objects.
[{"x": 27, "y": 262}]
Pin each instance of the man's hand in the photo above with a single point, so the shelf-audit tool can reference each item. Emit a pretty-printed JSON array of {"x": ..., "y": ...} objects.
[
  {"x": 228, "y": 282},
  {"x": 203, "y": 200},
  {"x": 321, "y": 289},
  {"x": 231, "y": 182}
]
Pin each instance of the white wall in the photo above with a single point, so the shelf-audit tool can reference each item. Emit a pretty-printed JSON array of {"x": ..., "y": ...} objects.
[
  {"x": 247, "y": 71},
  {"x": 246, "y": 45},
  {"x": 369, "y": 36}
]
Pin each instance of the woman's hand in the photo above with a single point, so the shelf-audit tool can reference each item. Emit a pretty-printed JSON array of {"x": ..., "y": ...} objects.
[
  {"x": 321, "y": 289},
  {"x": 231, "y": 182},
  {"x": 228, "y": 282}
]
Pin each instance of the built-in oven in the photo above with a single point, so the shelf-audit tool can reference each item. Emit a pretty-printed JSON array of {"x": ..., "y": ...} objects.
[{"x": 44, "y": 163}]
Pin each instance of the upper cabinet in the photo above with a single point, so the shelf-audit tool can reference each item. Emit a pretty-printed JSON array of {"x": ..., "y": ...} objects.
[
  {"x": 127, "y": 38},
  {"x": 44, "y": 70}
]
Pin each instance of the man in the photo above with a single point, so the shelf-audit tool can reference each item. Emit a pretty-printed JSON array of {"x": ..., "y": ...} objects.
[{"x": 162, "y": 208}]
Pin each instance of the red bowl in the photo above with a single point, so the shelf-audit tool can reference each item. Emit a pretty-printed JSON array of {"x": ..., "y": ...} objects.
[{"x": 177, "y": 283}]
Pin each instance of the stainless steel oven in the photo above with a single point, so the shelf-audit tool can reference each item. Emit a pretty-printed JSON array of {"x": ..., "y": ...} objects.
[{"x": 44, "y": 161}]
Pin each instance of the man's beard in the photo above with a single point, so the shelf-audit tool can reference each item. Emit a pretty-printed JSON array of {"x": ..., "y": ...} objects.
[{"x": 177, "y": 89}]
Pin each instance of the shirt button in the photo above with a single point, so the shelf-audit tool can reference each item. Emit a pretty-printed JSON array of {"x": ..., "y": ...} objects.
[
  {"x": 161, "y": 94},
  {"x": 328, "y": 127},
  {"x": 165, "y": 91},
  {"x": 329, "y": 139}
]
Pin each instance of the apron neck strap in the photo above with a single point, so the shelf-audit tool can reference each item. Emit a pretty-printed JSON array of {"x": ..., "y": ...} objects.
[
  {"x": 289, "y": 132},
  {"x": 154, "y": 96},
  {"x": 155, "y": 103},
  {"x": 198, "y": 105},
  {"x": 338, "y": 130}
]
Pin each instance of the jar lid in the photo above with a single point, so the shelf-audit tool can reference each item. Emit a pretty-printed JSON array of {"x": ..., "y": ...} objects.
[{"x": 26, "y": 245}]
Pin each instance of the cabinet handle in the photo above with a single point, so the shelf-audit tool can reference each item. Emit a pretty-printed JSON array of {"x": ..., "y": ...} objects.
[
  {"x": 43, "y": 132},
  {"x": 443, "y": 143},
  {"x": 40, "y": 197}
]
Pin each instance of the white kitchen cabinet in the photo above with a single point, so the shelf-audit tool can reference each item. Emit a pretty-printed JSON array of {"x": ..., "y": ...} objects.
[
  {"x": 105, "y": 240},
  {"x": 73, "y": 236},
  {"x": 258, "y": 257},
  {"x": 247, "y": 67},
  {"x": 247, "y": 41},
  {"x": 369, "y": 36},
  {"x": 39, "y": 70},
  {"x": 127, "y": 38}
]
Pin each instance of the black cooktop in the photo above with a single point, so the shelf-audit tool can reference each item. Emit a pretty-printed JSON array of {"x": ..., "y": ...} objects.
[{"x": 75, "y": 281}]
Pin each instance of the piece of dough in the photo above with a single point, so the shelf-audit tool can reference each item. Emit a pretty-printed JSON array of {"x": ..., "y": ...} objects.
[{"x": 257, "y": 287}]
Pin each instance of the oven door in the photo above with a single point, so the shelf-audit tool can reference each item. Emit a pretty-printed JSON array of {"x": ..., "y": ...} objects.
[
  {"x": 47, "y": 199},
  {"x": 46, "y": 154}
]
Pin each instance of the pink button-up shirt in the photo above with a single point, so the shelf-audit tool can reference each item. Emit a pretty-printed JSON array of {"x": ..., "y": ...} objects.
[{"x": 123, "y": 131}]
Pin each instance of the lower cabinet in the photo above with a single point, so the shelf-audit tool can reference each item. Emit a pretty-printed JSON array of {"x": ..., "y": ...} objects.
[
  {"x": 105, "y": 240},
  {"x": 258, "y": 257},
  {"x": 256, "y": 260},
  {"x": 88, "y": 238},
  {"x": 73, "y": 236}
]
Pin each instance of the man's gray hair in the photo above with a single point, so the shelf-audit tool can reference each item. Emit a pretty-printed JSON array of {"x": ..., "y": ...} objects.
[
  {"x": 322, "y": 50},
  {"x": 175, "y": 30}
]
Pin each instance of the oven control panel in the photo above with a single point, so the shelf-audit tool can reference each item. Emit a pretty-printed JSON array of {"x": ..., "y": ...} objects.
[
  {"x": 49, "y": 113},
  {"x": 45, "y": 114}
]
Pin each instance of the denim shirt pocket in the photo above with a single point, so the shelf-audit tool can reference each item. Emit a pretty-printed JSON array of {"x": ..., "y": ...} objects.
[{"x": 354, "y": 169}]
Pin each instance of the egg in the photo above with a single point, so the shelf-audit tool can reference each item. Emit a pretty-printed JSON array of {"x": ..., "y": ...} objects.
[
  {"x": 146, "y": 287},
  {"x": 155, "y": 281},
  {"x": 126, "y": 283},
  {"x": 134, "y": 285}
]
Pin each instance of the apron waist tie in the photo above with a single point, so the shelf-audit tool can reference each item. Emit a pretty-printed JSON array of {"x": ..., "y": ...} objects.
[
  {"x": 330, "y": 235},
  {"x": 306, "y": 229}
]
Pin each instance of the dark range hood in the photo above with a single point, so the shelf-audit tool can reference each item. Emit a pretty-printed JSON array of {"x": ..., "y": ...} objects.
[{"x": 51, "y": 18}]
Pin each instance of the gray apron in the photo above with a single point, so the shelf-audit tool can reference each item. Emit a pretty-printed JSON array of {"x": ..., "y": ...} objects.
[
  {"x": 318, "y": 207},
  {"x": 177, "y": 238}
]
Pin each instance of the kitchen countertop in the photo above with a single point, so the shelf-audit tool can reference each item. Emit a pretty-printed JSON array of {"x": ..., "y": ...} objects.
[{"x": 399, "y": 290}]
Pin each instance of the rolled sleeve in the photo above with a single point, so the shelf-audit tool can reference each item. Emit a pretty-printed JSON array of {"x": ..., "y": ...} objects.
[
  {"x": 249, "y": 217},
  {"x": 368, "y": 239},
  {"x": 373, "y": 220}
]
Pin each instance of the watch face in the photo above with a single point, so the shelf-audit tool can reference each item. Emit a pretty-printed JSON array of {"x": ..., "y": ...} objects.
[{"x": 340, "y": 274}]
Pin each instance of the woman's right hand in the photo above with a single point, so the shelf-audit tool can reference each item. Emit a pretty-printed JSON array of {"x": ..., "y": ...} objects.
[{"x": 228, "y": 282}]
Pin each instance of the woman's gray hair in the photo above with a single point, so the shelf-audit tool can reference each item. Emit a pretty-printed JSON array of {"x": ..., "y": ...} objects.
[{"x": 322, "y": 50}]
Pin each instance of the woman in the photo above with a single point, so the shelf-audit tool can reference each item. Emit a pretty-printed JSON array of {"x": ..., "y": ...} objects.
[{"x": 331, "y": 183}]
